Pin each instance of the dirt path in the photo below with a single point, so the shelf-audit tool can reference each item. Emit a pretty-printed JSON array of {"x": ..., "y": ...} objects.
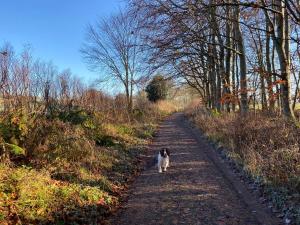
[{"x": 197, "y": 189}]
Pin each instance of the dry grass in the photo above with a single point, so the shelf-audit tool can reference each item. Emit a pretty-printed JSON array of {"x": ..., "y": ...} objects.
[
  {"x": 267, "y": 148},
  {"x": 73, "y": 164},
  {"x": 167, "y": 107}
]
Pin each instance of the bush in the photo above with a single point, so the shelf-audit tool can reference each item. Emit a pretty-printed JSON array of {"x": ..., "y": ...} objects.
[
  {"x": 32, "y": 195},
  {"x": 68, "y": 166},
  {"x": 14, "y": 126},
  {"x": 74, "y": 116},
  {"x": 157, "y": 89}
]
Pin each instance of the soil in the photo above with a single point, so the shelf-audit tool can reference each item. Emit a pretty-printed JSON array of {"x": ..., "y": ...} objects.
[{"x": 199, "y": 188}]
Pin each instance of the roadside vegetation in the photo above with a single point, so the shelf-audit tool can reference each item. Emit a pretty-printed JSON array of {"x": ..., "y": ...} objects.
[
  {"x": 70, "y": 165},
  {"x": 67, "y": 151},
  {"x": 242, "y": 58},
  {"x": 253, "y": 144}
]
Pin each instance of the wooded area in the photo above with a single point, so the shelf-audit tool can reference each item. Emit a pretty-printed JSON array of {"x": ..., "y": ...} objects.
[
  {"x": 69, "y": 150},
  {"x": 239, "y": 55}
]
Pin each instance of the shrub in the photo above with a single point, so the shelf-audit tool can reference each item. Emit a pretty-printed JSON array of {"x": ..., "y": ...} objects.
[
  {"x": 74, "y": 162},
  {"x": 74, "y": 116},
  {"x": 32, "y": 195},
  {"x": 55, "y": 139},
  {"x": 14, "y": 126},
  {"x": 157, "y": 89}
]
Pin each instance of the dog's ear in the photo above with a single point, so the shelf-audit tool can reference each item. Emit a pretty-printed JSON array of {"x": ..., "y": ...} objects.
[
  {"x": 168, "y": 151},
  {"x": 161, "y": 152}
]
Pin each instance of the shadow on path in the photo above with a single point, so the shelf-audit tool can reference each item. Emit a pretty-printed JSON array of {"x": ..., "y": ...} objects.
[{"x": 193, "y": 191}]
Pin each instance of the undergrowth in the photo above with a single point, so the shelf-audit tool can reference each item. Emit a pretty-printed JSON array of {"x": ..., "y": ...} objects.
[
  {"x": 69, "y": 167},
  {"x": 265, "y": 147}
]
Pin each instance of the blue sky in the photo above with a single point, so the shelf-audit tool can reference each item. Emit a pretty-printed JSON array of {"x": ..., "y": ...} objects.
[{"x": 55, "y": 29}]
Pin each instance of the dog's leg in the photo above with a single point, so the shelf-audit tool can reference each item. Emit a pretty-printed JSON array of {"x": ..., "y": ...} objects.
[
  {"x": 164, "y": 169},
  {"x": 159, "y": 169}
]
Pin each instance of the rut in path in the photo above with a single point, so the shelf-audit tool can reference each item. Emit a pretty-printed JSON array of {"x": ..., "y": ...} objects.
[{"x": 197, "y": 189}]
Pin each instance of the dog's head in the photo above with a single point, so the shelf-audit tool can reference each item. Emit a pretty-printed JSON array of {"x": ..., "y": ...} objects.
[{"x": 164, "y": 152}]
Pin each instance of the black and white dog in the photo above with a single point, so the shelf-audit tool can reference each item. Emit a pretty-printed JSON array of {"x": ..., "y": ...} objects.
[{"x": 163, "y": 160}]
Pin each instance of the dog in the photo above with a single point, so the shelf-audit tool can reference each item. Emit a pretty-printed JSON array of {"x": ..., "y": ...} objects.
[{"x": 163, "y": 160}]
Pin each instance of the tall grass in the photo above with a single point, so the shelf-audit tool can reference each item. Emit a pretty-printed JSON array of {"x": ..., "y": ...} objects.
[
  {"x": 267, "y": 149},
  {"x": 70, "y": 166}
]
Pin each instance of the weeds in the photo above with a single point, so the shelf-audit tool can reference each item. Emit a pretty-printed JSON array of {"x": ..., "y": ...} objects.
[
  {"x": 266, "y": 147},
  {"x": 74, "y": 163}
]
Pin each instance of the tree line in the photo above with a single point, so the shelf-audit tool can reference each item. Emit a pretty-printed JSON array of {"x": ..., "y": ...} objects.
[
  {"x": 38, "y": 87},
  {"x": 236, "y": 54}
]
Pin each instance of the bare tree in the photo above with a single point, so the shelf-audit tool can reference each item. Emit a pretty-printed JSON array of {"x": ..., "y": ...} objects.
[
  {"x": 229, "y": 50},
  {"x": 113, "y": 44}
]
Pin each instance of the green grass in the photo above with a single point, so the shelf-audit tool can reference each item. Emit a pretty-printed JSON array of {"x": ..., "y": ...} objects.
[
  {"x": 33, "y": 195},
  {"x": 73, "y": 166}
]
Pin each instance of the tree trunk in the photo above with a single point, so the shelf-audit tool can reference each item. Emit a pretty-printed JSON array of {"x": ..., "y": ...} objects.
[
  {"x": 282, "y": 46},
  {"x": 233, "y": 82},
  {"x": 228, "y": 58},
  {"x": 269, "y": 70},
  {"x": 296, "y": 89},
  {"x": 243, "y": 65},
  {"x": 212, "y": 77}
]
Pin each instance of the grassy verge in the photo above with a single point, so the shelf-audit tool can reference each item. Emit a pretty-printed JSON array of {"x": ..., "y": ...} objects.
[
  {"x": 70, "y": 167},
  {"x": 265, "y": 148}
]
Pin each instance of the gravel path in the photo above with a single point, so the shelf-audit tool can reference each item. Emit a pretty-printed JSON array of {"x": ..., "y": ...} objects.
[{"x": 199, "y": 188}]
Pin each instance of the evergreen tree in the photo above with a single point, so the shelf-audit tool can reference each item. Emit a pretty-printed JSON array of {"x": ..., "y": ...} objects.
[{"x": 157, "y": 89}]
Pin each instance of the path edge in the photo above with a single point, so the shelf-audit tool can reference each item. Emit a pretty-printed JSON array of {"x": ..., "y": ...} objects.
[{"x": 249, "y": 196}]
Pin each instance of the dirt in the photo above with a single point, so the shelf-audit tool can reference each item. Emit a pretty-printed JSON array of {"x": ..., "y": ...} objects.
[{"x": 198, "y": 188}]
